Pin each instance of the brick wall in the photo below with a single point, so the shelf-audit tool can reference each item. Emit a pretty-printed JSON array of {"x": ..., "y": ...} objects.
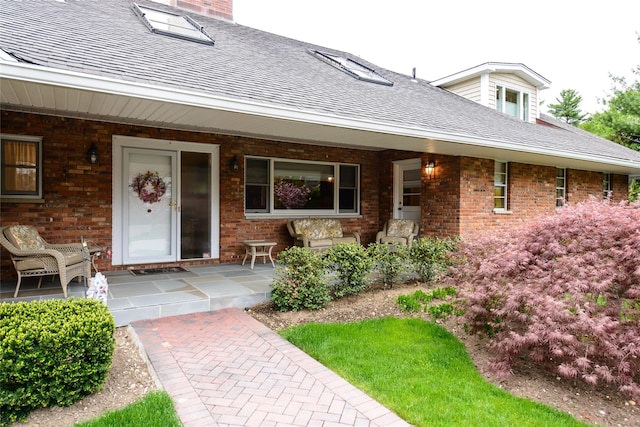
[{"x": 457, "y": 199}]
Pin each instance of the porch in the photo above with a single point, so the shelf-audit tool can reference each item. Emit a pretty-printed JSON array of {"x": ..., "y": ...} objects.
[{"x": 131, "y": 298}]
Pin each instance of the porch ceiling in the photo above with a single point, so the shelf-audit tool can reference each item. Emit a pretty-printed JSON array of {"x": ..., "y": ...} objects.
[{"x": 91, "y": 97}]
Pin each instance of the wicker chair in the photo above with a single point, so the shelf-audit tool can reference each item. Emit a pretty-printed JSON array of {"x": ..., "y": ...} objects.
[
  {"x": 401, "y": 231},
  {"x": 33, "y": 256}
]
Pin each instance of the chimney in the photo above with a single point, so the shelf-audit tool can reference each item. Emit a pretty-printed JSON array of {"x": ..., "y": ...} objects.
[{"x": 222, "y": 9}]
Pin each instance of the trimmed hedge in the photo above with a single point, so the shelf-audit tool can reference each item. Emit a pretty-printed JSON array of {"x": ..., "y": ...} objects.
[{"x": 52, "y": 353}]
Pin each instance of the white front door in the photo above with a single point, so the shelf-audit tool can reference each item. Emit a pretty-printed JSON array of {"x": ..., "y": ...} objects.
[
  {"x": 407, "y": 176},
  {"x": 149, "y": 206}
]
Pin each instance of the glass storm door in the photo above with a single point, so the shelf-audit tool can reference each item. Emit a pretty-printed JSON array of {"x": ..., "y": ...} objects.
[
  {"x": 150, "y": 206},
  {"x": 408, "y": 187}
]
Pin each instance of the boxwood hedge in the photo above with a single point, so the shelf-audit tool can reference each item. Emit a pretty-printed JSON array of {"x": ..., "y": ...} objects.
[{"x": 52, "y": 353}]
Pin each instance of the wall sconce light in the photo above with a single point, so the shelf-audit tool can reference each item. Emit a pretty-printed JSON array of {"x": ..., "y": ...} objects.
[
  {"x": 92, "y": 153},
  {"x": 430, "y": 168},
  {"x": 234, "y": 165}
]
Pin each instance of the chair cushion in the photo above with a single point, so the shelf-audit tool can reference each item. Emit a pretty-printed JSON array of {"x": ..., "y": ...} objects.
[
  {"x": 319, "y": 243},
  {"x": 399, "y": 228},
  {"x": 72, "y": 258},
  {"x": 318, "y": 228},
  {"x": 25, "y": 237},
  {"x": 29, "y": 264}
]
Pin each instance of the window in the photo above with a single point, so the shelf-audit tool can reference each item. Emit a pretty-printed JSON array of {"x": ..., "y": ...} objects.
[
  {"x": 171, "y": 24},
  {"x": 21, "y": 164},
  {"x": 606, "y": 185},
  {"x": 561, "y": 187},
  {"x": 512, "y": 102},
  {"x": 353, "y": 68},
  {"x": 500, "y": 186},
  {"x": 281, "y": 186}
]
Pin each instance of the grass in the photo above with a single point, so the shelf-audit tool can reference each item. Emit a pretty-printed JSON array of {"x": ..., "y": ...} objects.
[
  {"x": 154, "y": 410},
  {"x": 421, "y": 372}
]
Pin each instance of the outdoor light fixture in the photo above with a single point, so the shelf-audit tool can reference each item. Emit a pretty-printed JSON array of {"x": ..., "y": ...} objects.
[
  {"x": 235, "y": 166},
  {"x": 93, "y": 154},
  {"x": 430, "y": 168}
]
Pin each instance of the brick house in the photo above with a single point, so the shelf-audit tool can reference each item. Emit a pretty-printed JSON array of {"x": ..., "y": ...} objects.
[{"x": 162, "y": 130}]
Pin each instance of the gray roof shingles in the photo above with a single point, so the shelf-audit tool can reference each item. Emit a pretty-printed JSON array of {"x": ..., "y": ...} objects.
[{"x": 106, "y": 38}]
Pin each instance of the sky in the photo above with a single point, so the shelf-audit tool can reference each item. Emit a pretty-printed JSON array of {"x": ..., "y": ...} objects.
[{"x": 574, "y": 44}]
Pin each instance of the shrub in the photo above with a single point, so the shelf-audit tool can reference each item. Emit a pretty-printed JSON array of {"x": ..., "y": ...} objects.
[
  {"x": 52, "y": 353},
  {"x": 299, "y": 281},
  {"x": 352, "y": 263},
  {"x": 389, "y": 260},
  {"x": 563, "y": 291},
  {"x": 431, "y": 256}
]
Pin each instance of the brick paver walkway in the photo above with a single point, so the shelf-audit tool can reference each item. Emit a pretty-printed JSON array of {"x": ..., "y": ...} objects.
[{"x": 225, "y": 368}]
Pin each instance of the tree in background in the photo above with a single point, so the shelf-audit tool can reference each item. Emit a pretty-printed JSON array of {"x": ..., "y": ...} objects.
[{"x": 568, "y": 107}]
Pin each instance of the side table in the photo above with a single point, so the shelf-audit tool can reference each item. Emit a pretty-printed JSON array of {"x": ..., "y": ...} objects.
[{"x": 257, "y": 248}]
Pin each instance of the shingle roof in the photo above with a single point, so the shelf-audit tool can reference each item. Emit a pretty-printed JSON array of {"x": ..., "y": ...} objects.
[{"x": 106, "y": 38}]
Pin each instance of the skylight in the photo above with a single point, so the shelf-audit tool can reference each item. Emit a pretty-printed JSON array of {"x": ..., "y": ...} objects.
[
  {"x": 353, "y": 68},
  {"x": 171, "y": 24}
]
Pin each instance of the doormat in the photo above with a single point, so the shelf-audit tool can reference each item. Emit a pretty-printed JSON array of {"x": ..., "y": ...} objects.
[{"x": 162, "y": 270}]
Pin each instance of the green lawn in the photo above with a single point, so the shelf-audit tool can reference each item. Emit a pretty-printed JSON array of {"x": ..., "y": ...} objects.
[
  {"x": 420, "y": 371},
  {"x": 154, "y": 410}
]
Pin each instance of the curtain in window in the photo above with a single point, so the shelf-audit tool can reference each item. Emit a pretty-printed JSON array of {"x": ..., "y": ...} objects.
[{"x": 20, "y": 166}]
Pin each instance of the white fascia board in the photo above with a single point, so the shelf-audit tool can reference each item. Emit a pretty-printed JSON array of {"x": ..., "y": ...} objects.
[{"x": 63, "y": 78}]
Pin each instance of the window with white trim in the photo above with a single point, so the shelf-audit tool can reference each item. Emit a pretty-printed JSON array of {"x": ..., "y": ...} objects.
[
  {"x": 351, "y": 67},
  {"x": 561, "y": 187},
  {"x": 512, "y": 102},
  {"x": 500, "y": 176},
  {"x": 21, "y": 167},
  {"x": 606, "y": 185},
  {"x": 291, "y": 186}
]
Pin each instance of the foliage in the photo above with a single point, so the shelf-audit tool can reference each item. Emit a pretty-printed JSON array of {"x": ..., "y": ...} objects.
[
  {"x": 563, "y": 291},
  {"x": 52, "y": 352},
  {"x": 403, "y": 363},
  {"x": 299, "y": 281},
  {"x": 291, "y": 194},
  {"x": 154, "y": 410},
  {"x": 568, "y": 107},
  {"x": 414, "y": 302},
  {"x": 389, "y": 260},
  {"x": 621, "y": 121},
  {"x": 352, "y": 263},
  {"x": 430, "y": 256}
]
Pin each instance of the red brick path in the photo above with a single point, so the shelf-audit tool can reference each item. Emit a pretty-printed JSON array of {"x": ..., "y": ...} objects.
[{"x": 224, "y": 368}]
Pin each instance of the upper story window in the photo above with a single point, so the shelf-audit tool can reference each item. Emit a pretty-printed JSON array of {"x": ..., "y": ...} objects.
[
  {"x": 561, "y": 187},
  {"x": 500, "y": 177},
  {"x": 351, "y": 67},
  {"x": 606, "y": 185},
  {"x": 21, "y": 166},
  {"x": 289, "y": 186},
  {"x": 512, "y": 102},
  {"x": 171, "y": 24}
]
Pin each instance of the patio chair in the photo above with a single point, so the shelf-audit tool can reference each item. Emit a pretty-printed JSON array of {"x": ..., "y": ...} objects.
[
  {"x": 33, "y": 256},
  {"x": 401, "y": 231}
]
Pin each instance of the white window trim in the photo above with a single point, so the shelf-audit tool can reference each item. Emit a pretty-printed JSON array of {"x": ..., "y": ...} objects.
[
  {"x": 606, "y": 185},
  {"x": 305, "y": 213},
  {"x": 504, "y": 210},
  {"x": 26, "y": 197},
  {"x": 564, "y": 188},
  {"x": 503, "y": 89}
]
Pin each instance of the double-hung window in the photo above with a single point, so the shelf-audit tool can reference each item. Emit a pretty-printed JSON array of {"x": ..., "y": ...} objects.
[
  {"x": 606, "y": 185},
  {"x": 561, "y": 187},
  {"x": 282, "y": 186},
  {"x": 21, "y": 167},
  {"x": 512, "y": 102},
  {"x": 500, "y": 176}
]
